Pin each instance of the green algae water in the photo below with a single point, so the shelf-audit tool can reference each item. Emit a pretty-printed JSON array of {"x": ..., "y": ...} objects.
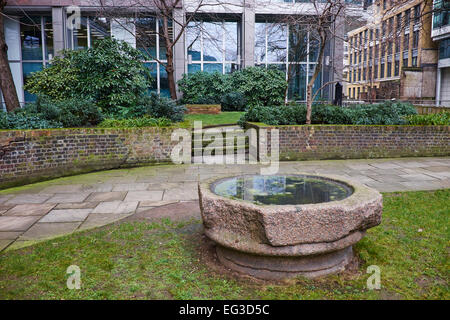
[{"x": 281, "y": 190}]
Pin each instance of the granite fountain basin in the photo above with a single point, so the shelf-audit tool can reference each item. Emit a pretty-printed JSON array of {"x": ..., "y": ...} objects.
[{"x": 284, "y": 226}]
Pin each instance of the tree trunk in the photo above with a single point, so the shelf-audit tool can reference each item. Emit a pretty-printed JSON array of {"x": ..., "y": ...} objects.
[
  {"x": 170, "y": 75},
  {"x": 7, "y": 85},
  {"x": 309, "y": 100},
  {"x": 169, "y": 53}
]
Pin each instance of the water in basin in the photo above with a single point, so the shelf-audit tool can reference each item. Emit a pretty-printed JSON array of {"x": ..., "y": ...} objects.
[{"x": 281, "y": 190}]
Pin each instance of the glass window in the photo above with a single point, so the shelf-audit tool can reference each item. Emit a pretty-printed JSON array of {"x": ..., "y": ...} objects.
[
  {"x": 146, "y": 36},
  {"x": 212, "y": 41},
  {"x": 153, "y": 68},
  {"x": 297, "y": 83},
  {"x": 231, "y": 41},
  {"x": 163, "y": 81},
  {"x": 214, "y": 45},
  {"x": 194, "y": 67},
  {"x": 162, "y": 43},
  {"x": 31, "y": 38},
  {"x": 298, "y": 44},
  {"x": 79, "y": 38},
  {"x": 193, "y": 41},
  {"x": 260, "y": 42},
  {"x": 276, "y": 42},
  {"x": 48, "y": 38},
  {"x": 28, "y": 69},
  {"x": 213, "y": 67}
]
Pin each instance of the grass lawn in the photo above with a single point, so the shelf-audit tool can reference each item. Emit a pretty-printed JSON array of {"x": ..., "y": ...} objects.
[
  {"x": 215, "y": 119},
  {"x": 138, "y": 260}
]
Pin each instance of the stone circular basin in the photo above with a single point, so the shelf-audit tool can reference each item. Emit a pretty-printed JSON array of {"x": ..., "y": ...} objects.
[{"x": 283, "y": 226}]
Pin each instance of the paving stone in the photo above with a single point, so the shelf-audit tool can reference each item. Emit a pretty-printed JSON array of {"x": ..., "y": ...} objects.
[
  {"x": 144, "y": 195},
  {"x": 361, "y": 178},
  {"x": 4, "y": 207},
  {"x": 385, "y": 165},
  {"x": 28, "y": 198},
  {"x": 33, "y": 209},
  {"x": 417, "y": 177},
  {"x": 5, "y": 243},
  {"x": 106, "y": 196},
  {"x": 387, "y": 187},
  {"x": 12, "y": 223},
  {"x": 438, "y": 175},
  {"x": 2, "y": 212},
  {"x": 359, "y": 166},
  {"x": 77, "y": 205},
  {"x": 410, "y": 164},
  {"x": 131, "y": 187},
  {"x": 163, "y": 186},
  {"x": 103, "y": 187},
  {"x": 70, "y": 188},
  {"x": 419, "y": 185},
  {"x": 444, "y": 184},
  {"x": 67, "y": 198},
  {"x": 42, "y": 231},
  {"x": 121, "y": 180},
  {"x": 439, "y": 169},
  {"x": 6, "y": 197},
  {"x": 66, "y": 215},
  {"x": 181, "y": 194},
  {"x": 152, "y": 178},
  {"x": 385, "y": 178},
  {"x": 10, "y": 235},
  {"x": 101, "y": 219},
  {"x": 155, "y": 203},
  {"x": 116, "y": 207}
]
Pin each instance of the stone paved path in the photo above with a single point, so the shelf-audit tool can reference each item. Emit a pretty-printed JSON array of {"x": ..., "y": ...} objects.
[{"x": 62, "y": 206}]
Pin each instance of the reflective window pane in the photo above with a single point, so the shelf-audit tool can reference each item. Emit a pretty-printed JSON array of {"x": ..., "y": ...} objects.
[
  {"x": 231, "y": 67},
  {"x": 260, "y": 42},
  {"x": 298, "y": 44},
  {"x": 163, "y": 82},
  {"x": 213, "y": 67},
  {"x": 146, "y": 37},
  {"x": 193, "y": 40},
  {"x": 80, "y": 36},
  {"x": 48, "y": 34},
  {"x": 297, "y": 82},
  {"x": 31, "y": 38},
  {"x": 100, "y": 28},
  {"x": 212, "y": 41},
  {"x": 28, "y": 69},
  {"x": 194, "y": 67},
  {"x": 276, "y": 42},
  {"x": 231, "y": 41},
  {"x": 162, "y": 43},
  {"x": 153, "y": 68},
  {"x": 314, "y": 44}
]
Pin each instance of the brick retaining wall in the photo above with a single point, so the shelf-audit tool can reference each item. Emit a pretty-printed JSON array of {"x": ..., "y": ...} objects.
[
  {"x": 318, "y": 142},
  {"x": 31, "y": 155}
]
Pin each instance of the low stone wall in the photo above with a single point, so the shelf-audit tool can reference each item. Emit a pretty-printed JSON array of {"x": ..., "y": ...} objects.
[
  {"x": 318, "y": 142},
  {"x": 203, "y": 108},
  {"x": 31, "y": 155}
]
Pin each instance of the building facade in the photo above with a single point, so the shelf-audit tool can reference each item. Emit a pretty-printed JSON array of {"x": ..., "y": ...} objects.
[
  {"x": 441, "y": 35},
  {"x": 221, "y": 38},
  {"x": 393, "y": 55}
]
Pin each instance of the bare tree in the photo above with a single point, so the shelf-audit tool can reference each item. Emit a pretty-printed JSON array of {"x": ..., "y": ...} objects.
[{"x": 7, "y": 85}]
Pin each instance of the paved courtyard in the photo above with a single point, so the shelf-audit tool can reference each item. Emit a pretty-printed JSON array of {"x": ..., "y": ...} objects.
[{"x": 62, "y": 206}]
